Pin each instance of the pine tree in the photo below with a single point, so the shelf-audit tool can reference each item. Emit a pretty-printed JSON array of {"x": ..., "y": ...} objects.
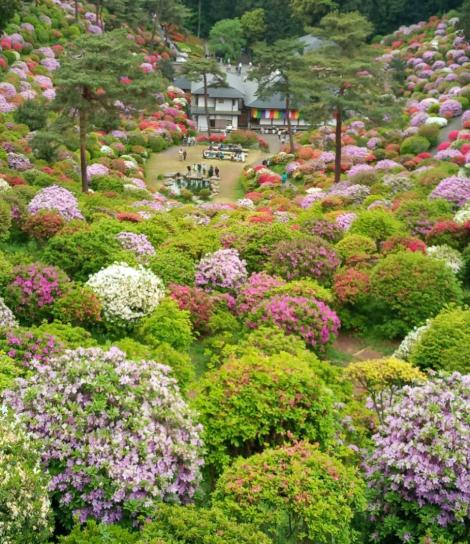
[
  {"x": 98, "y": 73},
  {"x": 209, "y": 71},
  {"x": 343, "y": 78},
  {"x": 275, "y": 68}
]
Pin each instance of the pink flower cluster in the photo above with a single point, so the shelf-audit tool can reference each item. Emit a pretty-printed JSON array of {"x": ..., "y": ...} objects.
[
  {"x": 137, "y": 243},
  {"x": 56, "y": 198},
  {"x": 222, "y": 269},
  {"x": 255, "y": 290}
]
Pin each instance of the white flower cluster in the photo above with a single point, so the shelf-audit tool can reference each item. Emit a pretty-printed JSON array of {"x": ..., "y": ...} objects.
[
  {"x": 25, "y": 510},
  {"x": 463, "y": 215},
  {"x": 7, "y": 318},
  {"x": 450, "y": 256},
  {"x": 4, "y": 186},
  {"x": 245, "y": 203},
  {"x": 411, "y": 339},
  {"x": 127, "y": 293}
]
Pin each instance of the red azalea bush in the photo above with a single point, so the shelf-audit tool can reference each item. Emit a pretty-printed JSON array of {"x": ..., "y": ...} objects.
[
  {"x": 399, "y": 243},
  {"x": 309, "y": 257},
  {"x": 43, "y": 225},
  {"x": 197, "y": 302},
  {"x": 351, "y": 284},
  {"x": 447, "y": 233},
  {"x": 131, "y": 217}
]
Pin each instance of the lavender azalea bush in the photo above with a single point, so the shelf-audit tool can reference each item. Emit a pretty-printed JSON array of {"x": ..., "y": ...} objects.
[
  {"x": 454, "y": 189},
  {"x": 120, "y": 439},
  {"x": 419, "y": 471},
  {"x": 137, "y": 243},
  {"x": 58, "y": 199},
  {"x": 222, "y": 269}
]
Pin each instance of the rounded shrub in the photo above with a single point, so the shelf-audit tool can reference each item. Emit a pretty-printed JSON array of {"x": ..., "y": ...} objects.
[
  {"x": 356, "y": 248},
  {"x": 173, "y": 266},
  {"x": 309, "y": 257},
  {"x": 120, "y": 440},
  {"x": 408, "y": 288},
  {"x": 445, "y": 344},
  {"x": 294, "y": 491},
  {"x": 413, "y": 145},
  {"x": 376, "y": 224},
  {"x": 43, "y": 225},
  {"x": 95, "y": 533},
  {"x": 289, "y": 399}
]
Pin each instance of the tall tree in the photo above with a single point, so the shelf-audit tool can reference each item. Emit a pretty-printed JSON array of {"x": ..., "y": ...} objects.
[
  {"x": 209, "y": 72},
  {"x": 98, "y": 73},
  {"x": 274, "y": 71},
  {"x": 464, "y": 15},
  {"x": 343, "y": 77},
  {"x": 226, "y": 38},
  {"x": 253, "y": 25},
  {"x": 7, "y": 12},
  {"x": 311, "y": 11}
]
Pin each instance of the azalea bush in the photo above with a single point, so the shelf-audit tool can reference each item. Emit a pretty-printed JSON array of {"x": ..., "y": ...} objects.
[
  {"x": 56, "y": 198},
  {"x": 419, "y": 463},
  {"x": 221, "y": 270},
  {"x": 304, "y": 258},
  {"x": 294, "y": 491},
  {"x": 197, "y": 302},
  {"x": 7, "y": 318},
  {"x": 288, "y": 397},
  {"x": 25, "y": 508},
  {"x": 127, "y": 293},
  {"x": 120, "y": 440},
  {"x": 43, "y": 225}
]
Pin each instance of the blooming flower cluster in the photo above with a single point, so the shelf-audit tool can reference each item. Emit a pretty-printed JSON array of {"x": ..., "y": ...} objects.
[
  {"x": 420, "y": 465},
  {"x": 137, "y": 243},
  {"x": 222, "y": 269},
  {"x": 127, "y": 293},
  {"x": 58, "y": 199},
  {"x": 121, "y": 439},
  {"x": 25, "y": 508},
  {"x": 450, "y": 256},
  {"x": 19, "y": 162},
  {"x": 7, "y": 317},
  {"x": 454, "y": 189},
  {"x": 255, "y": 290}
]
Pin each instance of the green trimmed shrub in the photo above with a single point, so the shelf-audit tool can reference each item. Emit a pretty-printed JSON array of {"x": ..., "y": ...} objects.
[
  {"x": 356, "y": 247},
  {"x": 5, "y": 220},
  {"x": 173, "y": 266},
  {"x": 377, "y": 224},
  {"x": 33, "y": 114},
  {"x": 413, "y": 145},
  {"x": 94, "y": 533}
]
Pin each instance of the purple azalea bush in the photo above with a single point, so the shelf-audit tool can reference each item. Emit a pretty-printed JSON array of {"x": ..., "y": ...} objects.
[
  {"x": 313, "y": 320},
  {"x": 120, "y": 440},
  {"x": 137, "y": 243},
  {"x": 56, "y": 198},
  {"x": 221, "y": 269},
  {"x": 419, "y": 470},
  {"x": 454, "y": 189}
]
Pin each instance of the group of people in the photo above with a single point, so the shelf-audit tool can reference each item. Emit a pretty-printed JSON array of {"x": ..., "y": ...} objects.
[
  {"x": 202, "y": 171},
  {"x": 189, "y": 141}
]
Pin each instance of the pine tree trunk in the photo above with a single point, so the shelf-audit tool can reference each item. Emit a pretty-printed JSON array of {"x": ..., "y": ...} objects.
[
  {"x": 199, "y": 8},
  {"x": 289, "y": 125},
  {"x": 83, "y": 140},
  {"x": 339, "y": 147},
  {"x": 206, "y": 106}
]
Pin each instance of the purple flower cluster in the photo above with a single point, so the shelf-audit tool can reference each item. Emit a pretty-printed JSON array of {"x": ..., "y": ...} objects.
[
  {"x": 356, "y": 192},
  {"x": 454, "y": 189},
  {"x": 19, "y": 162},
  {"x": 314, "y": 321},
  {"x": 58, "y": 199},
  {"x": 360, "y": 169},
  {"x": 450, "y": 108},
  {"x": 255, "y": 290},
  {"x": 97, "y": 170},
  {"x": 422, "y": 453},
  {"x": 115, "y": 445},
  {"x": 137, "y": 243},
  {"x": 29, "y": 349},
  {"x": 345, "y": 220},
  {"x": 222, "y": 269}
]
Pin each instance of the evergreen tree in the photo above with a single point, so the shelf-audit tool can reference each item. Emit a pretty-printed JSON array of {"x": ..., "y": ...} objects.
[
  {"x": 209, "y": 71},
  {"x": 254, "y": 25},
  {"x": 226, "y": 39},
  {"x": 464, "y": 22},
  {"x": 98, "y": 73},
  {"x": 8, "y": 9},
  {"x": 343, "y": 77},
  {"x": 274, "y": 71}
]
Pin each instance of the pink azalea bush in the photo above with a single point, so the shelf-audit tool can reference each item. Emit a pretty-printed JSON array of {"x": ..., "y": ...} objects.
[
  {"x": 313, "y": 320},
  {"x": 114, "y": 447},
  {"x": 255, "y": 290},
  {"x": 418, "y": 472}
]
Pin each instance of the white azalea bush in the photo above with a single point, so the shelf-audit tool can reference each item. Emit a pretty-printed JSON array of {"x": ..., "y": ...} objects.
[
  {"x": 411, "y": 339},
  {"x": 25, "y": 510},
  {"x": 127, "y": 293},
  {"x": 450, "y": 256},
  {"x": 7, "y": 318}
]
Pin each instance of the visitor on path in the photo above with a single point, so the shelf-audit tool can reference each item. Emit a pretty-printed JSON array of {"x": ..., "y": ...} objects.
[
  {"x": 199, "y": 168},
  {"x": 180, "y": 153},
  {"x": 189, "y": 170},
  {"x": 217, "y": 172},
  {"x": 284, "y": 178},
  {"x": 185, "y": 154},
  {"x": 239, "y": 69},
  {"x": 211, "y": 171}
]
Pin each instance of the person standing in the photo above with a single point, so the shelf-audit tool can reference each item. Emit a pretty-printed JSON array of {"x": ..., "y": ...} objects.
[
  {"x": 199, "y": 168},
  {"x": 211, "y": 171},
  {"x": 185, "y": 154},
  {"x": 189, "y": 170},
  {"x": 180, "y": 153},
  {"x": 217, "y": 172}
]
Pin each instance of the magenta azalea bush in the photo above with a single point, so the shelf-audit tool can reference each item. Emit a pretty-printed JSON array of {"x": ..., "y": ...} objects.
[
  {"x": 313, "y": 320},
  {"x": 34, "y": 289},
  {"x": 255, "y": 290},
  {"x": 58, "y": 199},
  {"x": 304, "y": 258},
  {"x": 419, "y": 470},
  {"x": 222, "y": 269},
  {"x": 455, "y": 189},
  {"x": 120, "y": 439}
]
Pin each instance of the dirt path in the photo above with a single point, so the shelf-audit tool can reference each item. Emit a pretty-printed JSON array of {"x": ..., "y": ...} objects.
[
  {"x": 348, "y": 348},
  {"x": 168, "y": 161}
]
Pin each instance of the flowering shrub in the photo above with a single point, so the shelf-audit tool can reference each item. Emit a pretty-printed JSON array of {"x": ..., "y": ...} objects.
[
  {"x": 137, "y": 243},
  {"x": 303, "y": 258},
  {"x": 34, "y": 289},
  {"x": 127, "y": 293},
  {"x": 277, "y": 389},
  {"x": 408, "y": 288},
  {"x": 448, "y": 233},
  {"x": 79, "y": 306},
  {"x": 382, "y": 379},
  {"x": 7, "y": 317},
  {"x": 355, "y": 248},
  {"x": 43, "y": 225},
  {"x": 449, "y": 256},
  {"x": 25, "y": 509},
  {"x": 121, "y": 438},
  {"x": 222, "y": 269},
  {"x": 197, "y": 302},
  {"x": 401, "y": 243},
  {"x": 350, "y": 285},
  {"x": 310, "y": 319},
  {"x": 444, "y": 343},
  {"x": 454, "y": 189},
  {"x": 28, "y": 348},
  {"x": 56, "y": 198},
  {"x": 255, "y": 290},
  {"x": 324, "y": 229},
  {"x": 419, "y": 466},
  {"x": 294, "y": 489}
]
